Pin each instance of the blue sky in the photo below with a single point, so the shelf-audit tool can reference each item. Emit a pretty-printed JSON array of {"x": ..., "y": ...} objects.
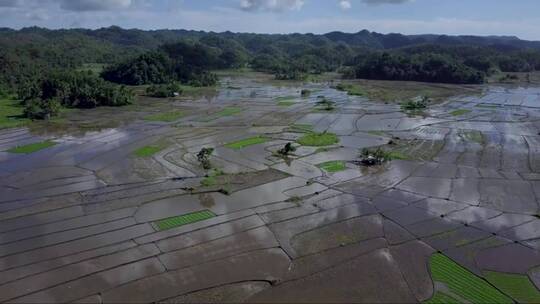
[{"x": 474, "y": 17}]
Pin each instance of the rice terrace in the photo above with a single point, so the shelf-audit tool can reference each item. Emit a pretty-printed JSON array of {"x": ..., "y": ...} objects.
[{"x": 205, "y": 166}]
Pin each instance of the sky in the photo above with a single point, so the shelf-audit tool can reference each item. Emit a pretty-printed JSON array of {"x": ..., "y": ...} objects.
[{"x": 453, "y": 17}]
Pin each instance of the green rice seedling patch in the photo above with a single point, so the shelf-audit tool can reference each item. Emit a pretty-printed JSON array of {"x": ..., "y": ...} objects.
[
  {"x": 464, "y": 283},
  {"x": 212, "y": 178},
  {"x": 460, "y": 112},
  {"x": 166, "y": 117},
  {"x": 318, "y": 139},
  {"x": 333, "y": 166},
  {"x": 185, "y": 219},
  {"x": 241, "y": 144},
  {"x": 352, "y": 89},
  {"x": 286, "y": 103},
  {"x": 31, "y": 148},
  {"x": 227, "y": 111},
  {"x": 147, "y": 151},
  {"x": 441, "y": 298},
  {"x": 517, "y": 286},
  {"x": 11, "y": 114},
  {"x": 474, "y": 136},
  {"x": 397, "y": 155},
  {"x": 487, "y": 106}
]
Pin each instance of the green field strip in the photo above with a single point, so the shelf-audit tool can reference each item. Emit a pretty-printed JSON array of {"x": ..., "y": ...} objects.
[
  {"x": 460, "y": 112},
  {"x": 517, "y": 286},
  {"x": 147, "y": 151},
  {"x": 318, "y": 139},
  {"x": 31, "y": 148},
  {"x": 286, "y": 103},
  {"x": 333, "y": 166},
  {"x": 185, "y": 219},
  {"x": 228, "y": 111},
  {"x": 237, "y": 145},
  {"x": 464, "y": 283},
  {"x": 441, "y": 298}
]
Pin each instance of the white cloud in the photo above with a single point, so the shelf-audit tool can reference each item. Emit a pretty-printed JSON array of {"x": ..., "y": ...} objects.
[
  {"x": 345, "y": 4},
  {"x": 271, "y": 5}
]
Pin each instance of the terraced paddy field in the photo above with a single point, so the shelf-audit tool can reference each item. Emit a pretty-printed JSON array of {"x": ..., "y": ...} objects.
[{"x": 124, "y": 212}]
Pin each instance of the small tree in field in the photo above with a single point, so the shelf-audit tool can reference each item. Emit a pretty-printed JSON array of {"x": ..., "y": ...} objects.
[
  {"x": 287, "y": 149},
  {"x": 204, "y": 157}
]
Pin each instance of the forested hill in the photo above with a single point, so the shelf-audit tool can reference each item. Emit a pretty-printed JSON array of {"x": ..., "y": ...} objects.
[
  {"x": 151, "y": 39},
  {"x": 31, "y": 51}
]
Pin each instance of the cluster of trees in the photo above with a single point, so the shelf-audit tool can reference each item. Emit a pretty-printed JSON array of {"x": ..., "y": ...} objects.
[
  {"x": 185, "y": 62},
  {"x": 422, "y": 67},
  {"x": 44, "y": 97}
]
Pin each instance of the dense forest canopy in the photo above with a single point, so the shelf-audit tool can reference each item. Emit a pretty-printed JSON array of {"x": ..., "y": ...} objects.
[
  {"x": 45, "y": 96},
  {"x": 162, "y": 56}
]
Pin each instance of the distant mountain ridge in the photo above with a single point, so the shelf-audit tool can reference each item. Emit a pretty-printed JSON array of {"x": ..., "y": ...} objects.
[
  {"x": 364, "y": 38},
  {"x": 396, "y": 40}
]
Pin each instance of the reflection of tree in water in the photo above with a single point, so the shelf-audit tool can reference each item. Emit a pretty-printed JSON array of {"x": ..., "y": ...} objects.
[{"x": 207, "y": 200}]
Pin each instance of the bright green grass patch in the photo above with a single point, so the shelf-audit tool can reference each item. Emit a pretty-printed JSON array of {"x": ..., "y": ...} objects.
[
  {"x": 474, "y": 136},
  {"x": 237, "y": 145},
  {"x": 31, "y": 148},
  {"x": 519, "y": 287},
  {"x": 228, "y": 111},
  {"x": 460, "y": 112},
  {"x": 11, "y": 114},
  {"x": 464, "y": 283},
  {"x": 396, "y": 155},
  {"x": 352, "y": 89},
  {"x": 441, "y": 298},
  {"x": 487, "y": 106},
  {"x": 333, "y": 166},
  {"x": 185, "y": 219},
  {"x": 147, "y": 151},
  {"x": 211, "y": 179},
  {"x": 318, "y": 139},
  {"x": 286, "y": 103},
  {"x": 166, "y": 117}
]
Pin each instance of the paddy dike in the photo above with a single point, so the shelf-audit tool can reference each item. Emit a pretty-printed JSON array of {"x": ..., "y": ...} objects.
[{"x": 127, "y": 214}]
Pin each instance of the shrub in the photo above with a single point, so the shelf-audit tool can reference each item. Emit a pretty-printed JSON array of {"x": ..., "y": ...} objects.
[
  {"x": 326, "y": 104},
  {"x": 204, "y": 157},
  {"x": 414, "y": 105},
  {"x": 42, "y": 109},
  {"x": 287, "y": 149},
  {"x": 164, "y": 91}
]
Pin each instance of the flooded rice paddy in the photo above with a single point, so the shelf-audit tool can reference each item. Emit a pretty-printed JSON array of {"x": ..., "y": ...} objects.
[{"x": 82, "y": 220}]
